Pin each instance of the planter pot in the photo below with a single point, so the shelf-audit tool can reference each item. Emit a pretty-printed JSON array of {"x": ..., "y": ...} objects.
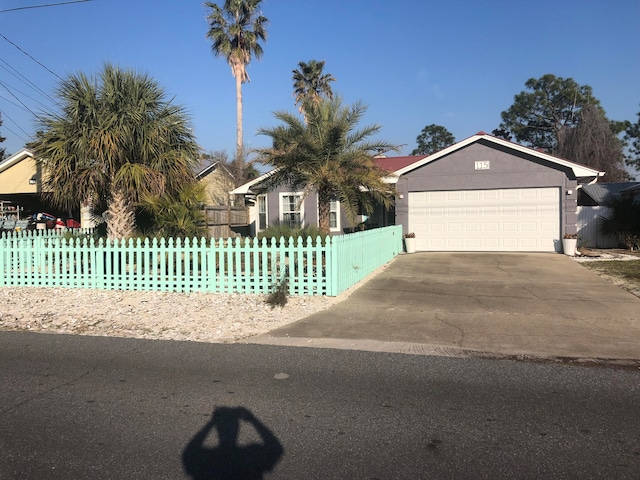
[
  {"x": 410, "y": 245},
  {"x": 569, "y": 246}
]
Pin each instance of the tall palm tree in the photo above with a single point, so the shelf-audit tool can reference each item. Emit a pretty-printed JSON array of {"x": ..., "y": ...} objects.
[
  {"x": 310, "y": 85},
  {"x": 236, "y": 30},
  {"x": 2, "y": 139},
  {"x": 116, "y": 138},
  {"x": 328, "y": 155}
]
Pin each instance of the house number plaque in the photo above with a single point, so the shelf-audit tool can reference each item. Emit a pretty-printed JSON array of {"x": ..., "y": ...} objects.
[{"x": 482, "y": 165}]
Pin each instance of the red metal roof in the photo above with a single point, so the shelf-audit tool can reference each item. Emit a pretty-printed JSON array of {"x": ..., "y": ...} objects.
[{"x": 391, "y": 164}]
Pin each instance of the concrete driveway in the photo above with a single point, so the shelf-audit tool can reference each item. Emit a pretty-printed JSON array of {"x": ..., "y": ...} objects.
[{"x": 503, "y": 304}]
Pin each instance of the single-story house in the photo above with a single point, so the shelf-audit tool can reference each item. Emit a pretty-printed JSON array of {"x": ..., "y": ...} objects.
[
  {"x": 591, "y": 206},
  {"x": 480, "y": 194}
]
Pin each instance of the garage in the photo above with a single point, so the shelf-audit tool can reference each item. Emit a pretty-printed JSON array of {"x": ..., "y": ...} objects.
[
  {"x": 487, "y": 194},
  {"x": 496, "y": 220}
]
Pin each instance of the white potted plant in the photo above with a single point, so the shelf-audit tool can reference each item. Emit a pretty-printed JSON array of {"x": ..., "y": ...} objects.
[
  {"x": 569, "y": 244},
  {"x": 410, "y": 242}
]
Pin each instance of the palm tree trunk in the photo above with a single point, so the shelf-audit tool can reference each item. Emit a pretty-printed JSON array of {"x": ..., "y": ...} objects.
[
  {"x": 239, "y": 160},
  {"x": 121, "y": 219},
  {"x": 324, "y": 210}
]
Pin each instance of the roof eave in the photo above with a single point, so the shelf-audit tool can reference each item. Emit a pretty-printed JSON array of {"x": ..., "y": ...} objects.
[
  {"x": 578, "y": 170},
  {"x": 16, "y": 158},
  {"x": 245, "y": 189}
]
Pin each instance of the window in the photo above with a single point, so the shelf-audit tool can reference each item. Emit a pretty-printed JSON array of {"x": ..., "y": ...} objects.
[
  {"x": 334, "y": 215},
  {"x": 262, "y": 212},
  {"x": 291, "y": 211}
]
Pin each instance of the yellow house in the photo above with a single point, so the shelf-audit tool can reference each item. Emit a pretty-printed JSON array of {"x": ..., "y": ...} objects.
[
  {"x": 218, "y": 182},
  {"x": 21, "y": 184},
  {"x": 20, "y": 174}
]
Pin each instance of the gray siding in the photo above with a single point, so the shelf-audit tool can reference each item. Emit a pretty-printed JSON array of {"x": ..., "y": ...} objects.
[
  {"x": 310, "y": 210},
  {"x": 310, "y": 207},
  {"x": 508, "y": 169}
]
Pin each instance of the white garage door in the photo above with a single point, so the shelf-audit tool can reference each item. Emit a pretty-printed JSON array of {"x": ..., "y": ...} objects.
[{"x": 511, "y": 220}]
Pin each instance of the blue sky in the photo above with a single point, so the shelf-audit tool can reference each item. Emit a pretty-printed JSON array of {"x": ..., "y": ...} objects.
[{"x": 413, "y": 62}]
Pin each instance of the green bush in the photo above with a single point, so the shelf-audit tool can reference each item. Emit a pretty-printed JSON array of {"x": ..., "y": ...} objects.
[{"x": 177, "y": 215}]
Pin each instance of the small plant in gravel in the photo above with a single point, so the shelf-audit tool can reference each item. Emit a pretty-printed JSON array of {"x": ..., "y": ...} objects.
[{"x": 278, "y": 297}]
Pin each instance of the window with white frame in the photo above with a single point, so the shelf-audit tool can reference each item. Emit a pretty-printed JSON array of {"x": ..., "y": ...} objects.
[
  {"x": 334, "y": 214},
  {"x": 291, "y": 209},
  {"x": 262, "y": 212}
]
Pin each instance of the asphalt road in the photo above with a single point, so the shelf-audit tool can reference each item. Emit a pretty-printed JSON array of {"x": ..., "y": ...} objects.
[{"x": 103, "y": 408}]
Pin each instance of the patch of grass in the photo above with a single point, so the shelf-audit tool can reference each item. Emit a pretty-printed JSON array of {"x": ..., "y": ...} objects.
[{"x": 629, "y": 270}]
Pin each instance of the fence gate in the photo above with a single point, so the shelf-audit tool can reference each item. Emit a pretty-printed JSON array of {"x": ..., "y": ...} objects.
[{"x": 588, "y": 233}]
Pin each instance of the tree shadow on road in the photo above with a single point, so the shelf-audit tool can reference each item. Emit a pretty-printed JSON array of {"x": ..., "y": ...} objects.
[{"x": 228, "y": 460}]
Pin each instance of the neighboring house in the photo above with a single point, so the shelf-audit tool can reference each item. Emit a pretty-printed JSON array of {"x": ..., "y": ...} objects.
[
  {"x": 21, "y": 181},
  {"x": 21, "y": 184},
  {"x": 481, "y": 194},
  {"x": 218, "y": 182},
  {"x": 591, "y": 201}
]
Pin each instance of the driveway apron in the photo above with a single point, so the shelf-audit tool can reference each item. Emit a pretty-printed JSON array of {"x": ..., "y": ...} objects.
[{"x": 544, "y": 305}]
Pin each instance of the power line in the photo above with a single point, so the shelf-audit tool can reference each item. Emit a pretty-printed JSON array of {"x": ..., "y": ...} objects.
[
  {"x": 42, "y": 105},
  {"x": 43, "y": 6},
  {"x": 25, "y": 80},
  {"x": 39, "y": 63},
  {"x": 4, "y": 115},
  {"x": 19, "y": 101}
]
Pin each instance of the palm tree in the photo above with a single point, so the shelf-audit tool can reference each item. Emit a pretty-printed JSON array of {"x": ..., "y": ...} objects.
[
  {"x": 117, "y": 138},
  {"x": 236, "y": 29},
  {"x": 2, "y": 139},
  {"x": 330, "y": 156},
  {"x": 310, "y": 85}
]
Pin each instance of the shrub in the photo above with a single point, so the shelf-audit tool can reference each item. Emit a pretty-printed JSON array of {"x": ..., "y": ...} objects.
[{"x": 177, "y": 215}]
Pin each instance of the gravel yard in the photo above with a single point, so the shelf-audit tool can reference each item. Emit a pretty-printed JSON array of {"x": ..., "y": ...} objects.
[{"x": 202, "y": 317}]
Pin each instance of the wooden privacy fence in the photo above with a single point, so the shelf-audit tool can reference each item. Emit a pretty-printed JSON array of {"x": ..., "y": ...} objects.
[
  {"x": 241, "y": 265},
  {"x": 219, "y": 220}
]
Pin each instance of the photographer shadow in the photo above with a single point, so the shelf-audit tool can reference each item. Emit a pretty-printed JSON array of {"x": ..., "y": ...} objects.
[{"x": 229, "y": 460}]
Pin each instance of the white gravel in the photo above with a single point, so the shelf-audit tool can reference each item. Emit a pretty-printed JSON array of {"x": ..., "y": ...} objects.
[
  {"x": 605, "y": 255},
  {"x": 203, "y": 317}
]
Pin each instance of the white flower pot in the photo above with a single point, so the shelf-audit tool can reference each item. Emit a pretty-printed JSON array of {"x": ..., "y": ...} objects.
[
  {"x": 410, "y": 245},
  {"x": 569, "y": 246}
]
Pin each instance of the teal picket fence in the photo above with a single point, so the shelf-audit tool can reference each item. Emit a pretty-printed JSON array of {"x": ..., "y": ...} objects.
[{"x": 234, "y": 265}]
